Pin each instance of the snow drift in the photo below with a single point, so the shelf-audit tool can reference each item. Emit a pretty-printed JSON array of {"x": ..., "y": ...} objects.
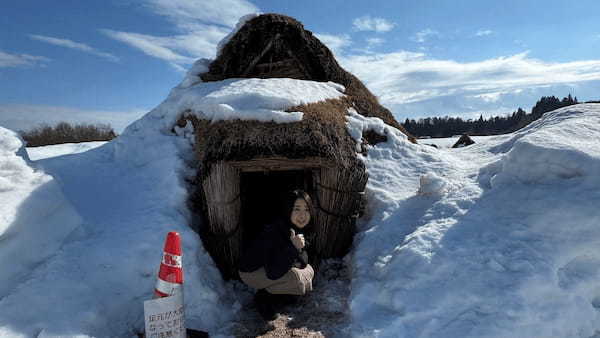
[
  {"x": 509, "y": 249},
  {"x": 35, "y": 218}
]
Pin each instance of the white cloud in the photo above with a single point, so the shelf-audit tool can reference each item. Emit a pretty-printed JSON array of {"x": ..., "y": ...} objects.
[
  {"x": 25, "y": 116},
  {"x": 151, "y": 45},
  {"x": 416, "y": 81},
  {"x": 484, "y": 32},
  {"x": 16, "y": 60},
  {"x": 336, "y": 43},
  {"x": 424, "y": 35},
  {"x": 367, "y": 23},
  {"x": 201, "y": 25},
  {"x": 489, "y": 97},
  {"x": 372, "y": 42},
  {"x": 179, "y": 50},
  {"x": 187, "y": 13},
  {"x": 74, "y": 45}
]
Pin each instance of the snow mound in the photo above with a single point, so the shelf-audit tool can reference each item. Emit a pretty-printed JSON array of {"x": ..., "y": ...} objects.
[
  {"x": 357, "y": 125},
  {"x": 245, "y": 99},
  {"x": 35, "y": 217},
  {"x": 432, "y": 184},
  {"x": 517, "y": 257},
  {"x": 192, "y": 76},
  {"x": 557, "y": 146}
]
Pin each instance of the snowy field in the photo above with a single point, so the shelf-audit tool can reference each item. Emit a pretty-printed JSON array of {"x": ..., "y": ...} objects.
[
  {"x": 448, "y": 142},
  {"x": 498, "y": 239},
  {"x": 40, "y": 153}
]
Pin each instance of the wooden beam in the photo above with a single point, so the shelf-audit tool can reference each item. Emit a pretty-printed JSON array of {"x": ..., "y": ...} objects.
[
  {"x": 298, "y": 63},
  {"x": 260, "y": 56},
  {"x": 280, "y": 164}
]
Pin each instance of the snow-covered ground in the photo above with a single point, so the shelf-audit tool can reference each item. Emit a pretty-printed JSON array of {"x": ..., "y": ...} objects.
[
  {"x": 39, "y": 153},
  {"x": 497, "y": 239},
  {"x": 35, "y": 217},
  {"x": 448, "y": 142},
  {"x": 506, "y": 245}
]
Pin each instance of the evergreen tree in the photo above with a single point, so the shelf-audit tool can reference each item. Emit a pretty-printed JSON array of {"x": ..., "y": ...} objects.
[{"x": 449, "y": 126}]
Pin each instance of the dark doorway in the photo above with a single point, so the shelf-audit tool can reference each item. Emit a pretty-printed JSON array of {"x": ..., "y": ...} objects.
[{"x": 262, "y": 195}]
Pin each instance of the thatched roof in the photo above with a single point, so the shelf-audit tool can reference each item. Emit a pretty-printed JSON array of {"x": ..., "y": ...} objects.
[
  {"x": 320, "y": 134},
  {"x": 274, "y": 45}
]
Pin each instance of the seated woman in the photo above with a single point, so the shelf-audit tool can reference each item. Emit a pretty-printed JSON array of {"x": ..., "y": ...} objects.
[{"x": 276, "y": 262}]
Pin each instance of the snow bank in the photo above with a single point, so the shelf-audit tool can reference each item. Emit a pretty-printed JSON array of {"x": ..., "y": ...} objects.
[
  {"x": 35, "y": 218},
  {"x": 357, "y": 125},
  {"x": 192, "y": 76},
  {"x": 558, "y": 146},
  {"x": 509, "y": 249}
]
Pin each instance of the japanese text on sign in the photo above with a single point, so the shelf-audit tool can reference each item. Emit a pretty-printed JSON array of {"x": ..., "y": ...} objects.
[{"x": 165, "y": 317}]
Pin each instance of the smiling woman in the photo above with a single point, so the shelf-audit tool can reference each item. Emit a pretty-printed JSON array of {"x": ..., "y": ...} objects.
[{"x": 276, "y": 262}]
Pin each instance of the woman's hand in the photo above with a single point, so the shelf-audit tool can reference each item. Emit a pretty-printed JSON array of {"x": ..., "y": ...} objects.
[{"x": 297, "y": 240}]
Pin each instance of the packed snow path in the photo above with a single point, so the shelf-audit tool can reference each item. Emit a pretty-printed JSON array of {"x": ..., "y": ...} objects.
[{"x": 321, "y": 313}]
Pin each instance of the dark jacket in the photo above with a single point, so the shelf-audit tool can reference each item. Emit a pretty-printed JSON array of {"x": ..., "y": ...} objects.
[{"x": 274, "y": 251}]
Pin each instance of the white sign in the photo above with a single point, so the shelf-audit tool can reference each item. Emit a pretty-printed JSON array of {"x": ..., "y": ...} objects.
[{"x": 165, "y": 317}]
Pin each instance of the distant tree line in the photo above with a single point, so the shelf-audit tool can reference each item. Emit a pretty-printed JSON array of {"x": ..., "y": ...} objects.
[
  {"x": 64, "y": 132},
  {"x": 449, "y": 126}
]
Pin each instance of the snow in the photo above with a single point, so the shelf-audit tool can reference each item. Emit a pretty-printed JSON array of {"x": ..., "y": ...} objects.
[
  {"x": 497, "y": 239},
  {"x": 39, "y": 153},
  {"x": 357, "y": 124},
  {"x": 245, "y": 99},
  {"x": 448, "y": 142},
  {"x": 130, "y": 193},
  {"x": 507, "y": 249},
  {"x": 192, "y": 76},
  {"x": 432, "y": 184},
  {"x": 35, "y": 217}
]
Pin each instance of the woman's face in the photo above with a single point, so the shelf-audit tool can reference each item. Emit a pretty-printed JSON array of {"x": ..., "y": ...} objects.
[{"x": 300, "y": 213}]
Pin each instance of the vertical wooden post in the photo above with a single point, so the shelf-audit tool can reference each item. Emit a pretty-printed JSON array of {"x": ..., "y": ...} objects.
[
  {"x": 222, "y": 194},
  {"x": 338, "y": 198}
]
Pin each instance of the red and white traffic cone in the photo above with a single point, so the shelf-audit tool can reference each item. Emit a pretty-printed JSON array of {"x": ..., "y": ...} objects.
[{"x": 170, "y": 275}]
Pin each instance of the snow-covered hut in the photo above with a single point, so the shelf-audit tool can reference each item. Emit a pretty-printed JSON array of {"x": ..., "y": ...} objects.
[{"x": 246, "y": 165}]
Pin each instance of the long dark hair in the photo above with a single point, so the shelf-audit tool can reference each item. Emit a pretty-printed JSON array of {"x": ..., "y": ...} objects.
[{"x": 288, "y": 206}]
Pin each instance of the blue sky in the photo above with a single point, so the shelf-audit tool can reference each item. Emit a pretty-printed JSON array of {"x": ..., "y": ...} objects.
[{"x": 111, "y": 61}]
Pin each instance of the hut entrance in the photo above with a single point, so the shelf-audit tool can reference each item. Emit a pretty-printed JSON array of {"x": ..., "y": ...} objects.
[
  {"x": 262, "y": 193},
  {"x": 241, "y": 197}
]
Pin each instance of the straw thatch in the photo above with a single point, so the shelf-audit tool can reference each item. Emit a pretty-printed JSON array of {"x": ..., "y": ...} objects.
[
  {"x": 274, "y": 45},
  {"x": 319, "y": 145}
]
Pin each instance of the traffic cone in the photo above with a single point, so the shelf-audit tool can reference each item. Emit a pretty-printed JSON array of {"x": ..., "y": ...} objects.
[{"x": 170, "y": 275}]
